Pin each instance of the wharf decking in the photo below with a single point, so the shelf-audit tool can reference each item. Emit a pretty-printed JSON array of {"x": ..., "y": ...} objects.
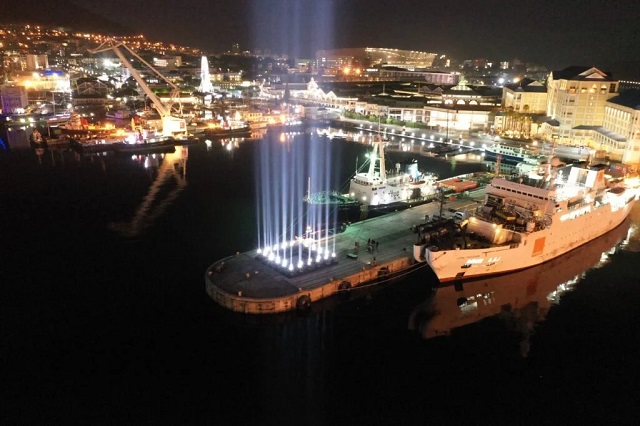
[{"x": 242, "y": 283}]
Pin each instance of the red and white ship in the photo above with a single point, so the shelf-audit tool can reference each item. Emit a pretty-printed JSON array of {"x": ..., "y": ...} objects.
[{"x": 521, "y": 225}]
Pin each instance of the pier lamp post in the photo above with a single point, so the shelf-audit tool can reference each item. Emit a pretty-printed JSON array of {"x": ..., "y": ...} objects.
[{"x": 446, "y": 139}]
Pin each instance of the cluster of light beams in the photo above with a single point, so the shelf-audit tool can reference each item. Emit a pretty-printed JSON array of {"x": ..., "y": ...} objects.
[{"x": 291, "y": 236}]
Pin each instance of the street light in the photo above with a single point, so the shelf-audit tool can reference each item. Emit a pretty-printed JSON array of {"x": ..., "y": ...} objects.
[{"x": 446, "y": 139}]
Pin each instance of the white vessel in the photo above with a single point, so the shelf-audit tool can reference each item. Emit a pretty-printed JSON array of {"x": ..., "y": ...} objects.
[
  {"x": 569, "y": 152},
  {"x": 520, "y": 225},
  {"x": 376, "y": 187},
  {"x": 508, "y": 154},
  {"x": 527, "y": 294}
]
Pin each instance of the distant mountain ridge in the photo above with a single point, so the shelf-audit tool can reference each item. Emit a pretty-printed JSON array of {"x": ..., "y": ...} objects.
[{"x": 59, "y": 13}]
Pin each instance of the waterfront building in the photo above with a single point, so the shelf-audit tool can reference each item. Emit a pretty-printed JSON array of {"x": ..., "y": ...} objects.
[
  {"x": 628, "y": 84},
  {"x": 521, "y": 103},
  {"x": 619, "y": 137},
  {"x": 335, "y": 60},
  {"x": 435, "y": 77},
  {"x": 13, "y": 99},
  {"x": 168, "y": 61},
  {"x": 526, "y": 96},
  {"x": 47, "y": 80},
  {"x": 90, "y": 91},
  {"x": 442, "y": 77},
  {"x": 576, "y": 98},
  {"x": 460, "y": 108}
]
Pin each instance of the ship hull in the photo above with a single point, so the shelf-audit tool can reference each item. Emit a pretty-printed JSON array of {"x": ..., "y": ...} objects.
[
  {"x": 534, "y": 248},
  {"x": 459, "y": 305},
  {"x": 221, "y": 133}
]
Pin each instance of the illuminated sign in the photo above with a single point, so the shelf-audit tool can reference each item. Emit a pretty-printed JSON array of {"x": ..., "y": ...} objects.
[
  {"x": 479, "y": 261},
  {"x": 575, "y": 213}
]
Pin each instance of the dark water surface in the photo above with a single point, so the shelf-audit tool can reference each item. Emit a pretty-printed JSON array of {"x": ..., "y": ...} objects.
[{"x": 104, "y": 317}]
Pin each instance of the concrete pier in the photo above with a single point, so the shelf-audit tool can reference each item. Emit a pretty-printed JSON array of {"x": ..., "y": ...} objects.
[{"x": 244, "y": 284}]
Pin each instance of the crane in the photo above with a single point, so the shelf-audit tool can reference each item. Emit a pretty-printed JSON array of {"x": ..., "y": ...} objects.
[{"x": 170, "y": 124}]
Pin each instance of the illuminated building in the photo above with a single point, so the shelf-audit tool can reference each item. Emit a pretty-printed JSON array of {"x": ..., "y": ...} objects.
[
  {"x": 526, "y": 96},
  {"x": 620, "y": 134},
  {"x": 435, "y": 77},
  {"x": 335, "y": 60},
  {"x": 36, "y": 62},
  {"x": 48, "y": 80},
  {"x": 13, "y": 99},
  {"x": 575, "y": 103}
]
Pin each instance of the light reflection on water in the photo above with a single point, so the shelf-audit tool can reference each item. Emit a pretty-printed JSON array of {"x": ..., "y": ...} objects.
[
  {"x": 521, "y": 299},
  {"x": 93, "y": 318}
]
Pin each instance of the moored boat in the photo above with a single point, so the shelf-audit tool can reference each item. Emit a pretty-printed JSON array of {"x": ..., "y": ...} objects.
[
  {"x": 521, "y": 225},
  {"x": 534, "y": 289},
  {"x": 93, "y": 145},
  {"x": 569, "y": 152},
  {"x": 508, "y": 154},
  {"x": 377, "y": 190},
  {"x": 154, "y": 144},
  {"x": 214, "y": 128}
]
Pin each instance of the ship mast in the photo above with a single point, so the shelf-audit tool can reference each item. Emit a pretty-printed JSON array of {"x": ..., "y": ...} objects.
[
  {"x": 383, "y": 171},
  {"x": 378, "y": 155}
]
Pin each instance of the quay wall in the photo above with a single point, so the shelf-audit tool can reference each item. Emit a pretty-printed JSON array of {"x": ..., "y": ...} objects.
[{"x": 302, "y": 299}]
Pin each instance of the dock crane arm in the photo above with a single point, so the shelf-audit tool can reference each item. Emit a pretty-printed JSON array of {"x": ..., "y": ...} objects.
[
  {"x": 175, "y": 92},
  {"x": 170, "y": 124}
]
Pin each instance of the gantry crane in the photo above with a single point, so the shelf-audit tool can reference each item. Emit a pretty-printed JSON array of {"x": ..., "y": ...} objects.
[{"x": 170, "y": 124}]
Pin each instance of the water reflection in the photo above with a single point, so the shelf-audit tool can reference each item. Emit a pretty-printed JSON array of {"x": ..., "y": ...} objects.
[
  {"x": 522, "y": 299},
  {"x": 170, "y": 180}
]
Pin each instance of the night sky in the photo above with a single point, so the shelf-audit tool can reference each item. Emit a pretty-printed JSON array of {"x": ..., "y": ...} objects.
[{"x": 556, "y": 33}]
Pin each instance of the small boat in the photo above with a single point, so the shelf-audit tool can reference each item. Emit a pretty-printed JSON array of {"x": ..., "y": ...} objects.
[
  {"x": 214, "y": 128},
  {"x": 92, "y": 145},
  {"x": 569, "y": 152},
  {"x": 508, "y": 154},
  {"x": 186, "y": 139},
  {"x": 231, "y": 131},
  {"x": 155, "y": 144}
]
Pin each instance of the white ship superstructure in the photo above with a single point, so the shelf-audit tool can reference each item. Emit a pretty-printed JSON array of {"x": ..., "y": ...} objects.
[
  {"x": 377, "y": 187},
  {"x": 520, "y": 226}
]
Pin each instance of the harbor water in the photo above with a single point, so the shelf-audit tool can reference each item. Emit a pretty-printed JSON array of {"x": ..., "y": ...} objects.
[{"x": 104, "y": 317}]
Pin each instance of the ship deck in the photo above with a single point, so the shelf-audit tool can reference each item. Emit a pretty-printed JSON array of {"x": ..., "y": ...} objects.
[{"x": 245, "y": 284}]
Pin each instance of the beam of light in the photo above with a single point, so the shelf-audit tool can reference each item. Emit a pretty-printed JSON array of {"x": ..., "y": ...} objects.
[
  {"x": 290, "y": 233},
  {"x": 297, "y": 28}
]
